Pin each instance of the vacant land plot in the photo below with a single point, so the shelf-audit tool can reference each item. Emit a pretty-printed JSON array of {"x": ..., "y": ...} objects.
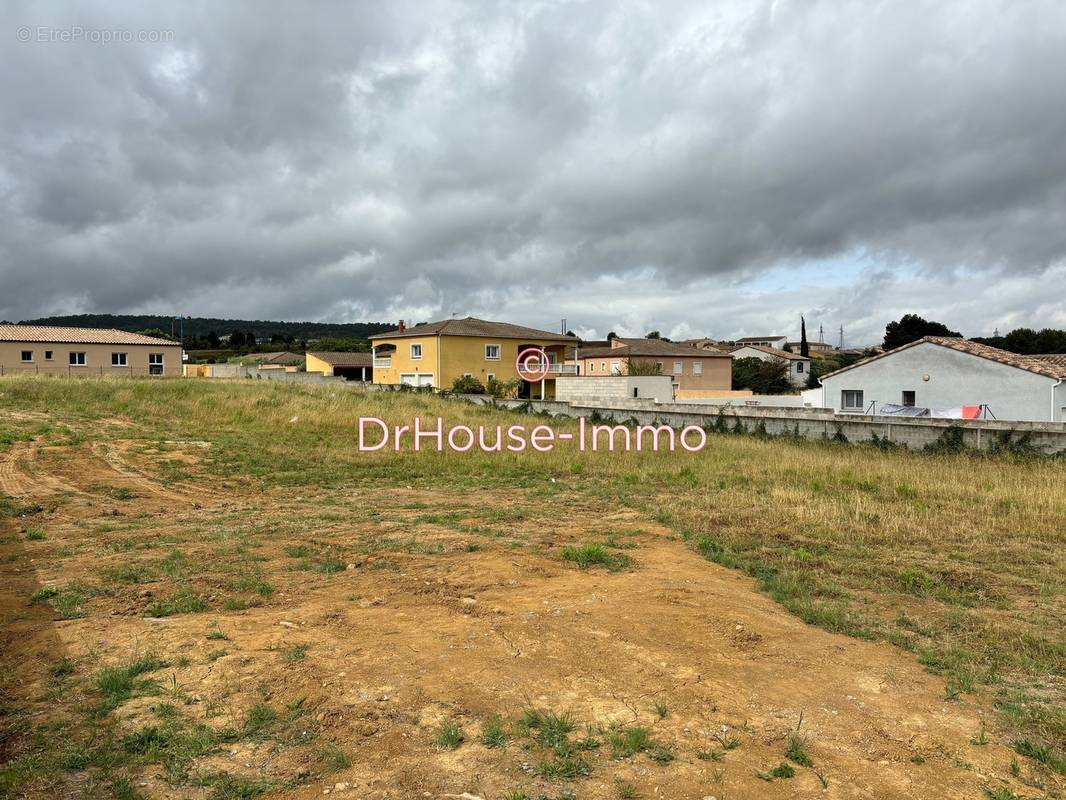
[{"x": 206, "y": 591}]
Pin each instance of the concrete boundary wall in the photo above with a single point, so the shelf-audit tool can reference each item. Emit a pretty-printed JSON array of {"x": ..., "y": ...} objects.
[{"x": 808, "y": 423}]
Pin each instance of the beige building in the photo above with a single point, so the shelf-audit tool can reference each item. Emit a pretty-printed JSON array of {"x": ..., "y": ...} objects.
[
  {"x": 812, "y": 347},
  {"x": 695, "y": 373},
  {"x": 38, "y": 349},
  {"x": 704, "y": 344},
  {"x": 771, "y": 340}
]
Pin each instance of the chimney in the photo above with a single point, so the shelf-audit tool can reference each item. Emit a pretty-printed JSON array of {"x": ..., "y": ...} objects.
[{"x": 401, "y": 326}]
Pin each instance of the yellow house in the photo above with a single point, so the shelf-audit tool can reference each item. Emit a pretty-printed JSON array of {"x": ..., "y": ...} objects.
[{"x": 435, "y": 354}]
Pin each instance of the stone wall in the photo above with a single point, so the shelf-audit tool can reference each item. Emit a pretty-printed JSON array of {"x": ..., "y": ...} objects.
[{"x": 809, "y": 423}]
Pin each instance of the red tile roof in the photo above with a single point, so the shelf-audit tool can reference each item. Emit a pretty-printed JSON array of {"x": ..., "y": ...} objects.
[
  {"x": 471, "y": 326},
  {"x": 1048, "y": 366},
  {"x": 345, "y": 359},
  {"x": 643, "y": 348},
  {"x": 49, "y": 335},
  {"x": 773, "y": 351}
]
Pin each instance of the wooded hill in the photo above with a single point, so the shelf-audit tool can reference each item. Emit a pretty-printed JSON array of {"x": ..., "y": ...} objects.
[{"x": 200, "y": 327}]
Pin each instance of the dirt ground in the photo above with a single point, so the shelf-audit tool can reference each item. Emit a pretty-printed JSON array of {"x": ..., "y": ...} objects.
[{"x": 452, "y": 607}]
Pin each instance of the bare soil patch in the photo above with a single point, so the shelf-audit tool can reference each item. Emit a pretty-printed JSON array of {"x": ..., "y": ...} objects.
[{"x": 367, "y": 621}]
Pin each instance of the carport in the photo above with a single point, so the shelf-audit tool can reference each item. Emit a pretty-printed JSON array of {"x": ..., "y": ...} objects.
[{"x": 350, "y": 366}]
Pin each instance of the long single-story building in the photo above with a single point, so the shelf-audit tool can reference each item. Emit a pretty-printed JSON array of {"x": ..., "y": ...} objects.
[
  {"x": 45, "y": 350},
  {"x": 939, "y": 372}
]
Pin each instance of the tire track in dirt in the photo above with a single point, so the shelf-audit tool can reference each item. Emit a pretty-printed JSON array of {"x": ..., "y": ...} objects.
[
  {"x": 113, "y": 454},
  {"x": 17, "y": 482}
]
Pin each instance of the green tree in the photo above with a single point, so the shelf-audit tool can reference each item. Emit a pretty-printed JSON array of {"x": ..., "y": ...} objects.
[
  {"x": 1028, "y": 342},
  {"x": 330, "y": 344},
  {"x": 158, "y": 334},
  {"x": 761, "y": 377},
  {"x": 910, "y": 328},
  {"x": 805, "y": 349}
]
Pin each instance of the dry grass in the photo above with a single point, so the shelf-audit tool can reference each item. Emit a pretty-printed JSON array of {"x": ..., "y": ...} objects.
[{"x": 958, "y": 558}]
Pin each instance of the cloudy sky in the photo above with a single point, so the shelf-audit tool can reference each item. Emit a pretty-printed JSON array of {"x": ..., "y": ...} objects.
[{"x": 701, "y": 168}]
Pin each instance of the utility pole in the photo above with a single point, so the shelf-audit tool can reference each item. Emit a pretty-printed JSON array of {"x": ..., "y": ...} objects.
[
  {"x": 821, "y": 333},
  {"x": 181, "y": 327}
]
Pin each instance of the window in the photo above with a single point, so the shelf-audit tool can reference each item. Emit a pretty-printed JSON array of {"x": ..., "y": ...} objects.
[
  {"x": 155, "y": 363},
  {"x": 799, "y": 367},
  {"x": 27, "y": 355},
  {"x": 77, "y": 359},
  {"x": 614, "y": 368},
  {"x": 697, "y": 368},
  {"x": 492, "y": 352},
  {"x": 659, "y": 366},
  {"x": 416, "y": 351},
  {"x": 851, "y": 400},
  {"x": 679, "y": 367},
  {"x": 908, "y": 398},
  {"x": 603, "y": 366},
  {"x": 47, "y": 355},
  {"x": 491, "y": 376},
  {"x": 119, "y": 360}
]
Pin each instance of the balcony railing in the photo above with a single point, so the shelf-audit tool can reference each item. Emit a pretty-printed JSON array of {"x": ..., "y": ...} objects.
[
  {"x": 383, "y": 363},
  {"x": 553, "y": 368}
]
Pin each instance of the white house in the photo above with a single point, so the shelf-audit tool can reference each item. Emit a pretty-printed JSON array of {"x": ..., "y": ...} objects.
[
  {"x": 941, "y": 373},
  {"x": 799, "y": 368},
  {"x": 763, "y": 341}
]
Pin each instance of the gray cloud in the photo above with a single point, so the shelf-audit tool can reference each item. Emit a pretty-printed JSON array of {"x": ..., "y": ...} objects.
[{"x": 627, "y": 166}]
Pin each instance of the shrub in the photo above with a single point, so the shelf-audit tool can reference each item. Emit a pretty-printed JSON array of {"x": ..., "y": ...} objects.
[
  {"x": 468, "y": 384},
  {"x": 503, "y": 389}
]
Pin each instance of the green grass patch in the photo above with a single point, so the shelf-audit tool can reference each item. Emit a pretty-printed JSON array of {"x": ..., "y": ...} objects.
[
  {"x": 493, "y": 733},
  {"x": 183, "y": 601},
  {"x": 782, "y": 770},
  {"x": 596, "y": 555},
  {"x": 118, "y": 684},
  {"x": 449, "y": 735}
]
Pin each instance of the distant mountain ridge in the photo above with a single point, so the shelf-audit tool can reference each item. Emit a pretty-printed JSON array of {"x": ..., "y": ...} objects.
[{"x": 197, "y": 327}]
